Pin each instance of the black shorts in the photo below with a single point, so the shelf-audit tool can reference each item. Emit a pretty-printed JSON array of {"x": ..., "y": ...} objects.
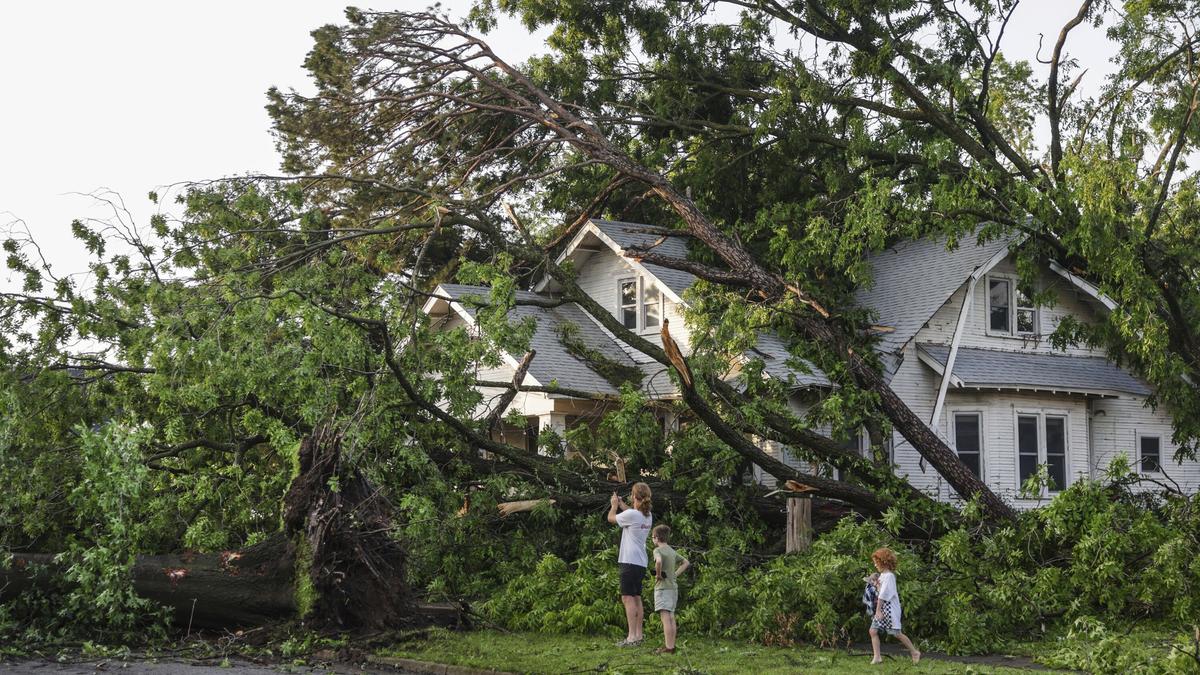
[{"x": 631, "y": 578}]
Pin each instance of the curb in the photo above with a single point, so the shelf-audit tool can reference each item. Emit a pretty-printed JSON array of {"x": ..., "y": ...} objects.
[{"x": 430, "y": 668}]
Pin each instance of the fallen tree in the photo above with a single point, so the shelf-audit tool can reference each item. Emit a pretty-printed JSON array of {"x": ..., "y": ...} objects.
[{"x": 334, "y": 565}]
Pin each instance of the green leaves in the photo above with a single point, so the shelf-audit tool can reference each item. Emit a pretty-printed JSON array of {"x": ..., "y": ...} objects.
[{"x": 112, "y": 504}]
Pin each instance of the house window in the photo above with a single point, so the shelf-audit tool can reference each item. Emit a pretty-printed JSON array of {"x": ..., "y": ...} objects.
[
  {"x": 1010, "y": 308},
  {"x": 968, "y": 441},
  {"x": 651, "y": 306},
  {"x": 998, "y": 305},
  {"x": 1026, "y": 312},
  {"x": 531, "y": 434},
  {"x": 860, "y": 444},
  {"x": 1042, "y": 440},
  {"x": 641, "y": 304},
  {"x": 628, "y": 295},
  {"x": 1150, "y": 453},
  {"x": 1056, "y": 452},
  {"x": 1028, "y": 454},
  {"x": 853, "y": 444}
]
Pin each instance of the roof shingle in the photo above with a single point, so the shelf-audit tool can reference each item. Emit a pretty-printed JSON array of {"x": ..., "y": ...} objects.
[
  {"x": 914, "y": 278},
  {"x": 987, "y": 368},
  {"x": 553, "y": 362},
  {"x": 627, "y": 235}
]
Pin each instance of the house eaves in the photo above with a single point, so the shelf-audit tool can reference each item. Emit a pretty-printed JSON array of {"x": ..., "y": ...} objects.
[{"x": 1027, "y": 371}]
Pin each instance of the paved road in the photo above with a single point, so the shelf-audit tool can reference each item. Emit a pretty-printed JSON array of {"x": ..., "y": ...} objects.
[{"x": 172, "y": 667}]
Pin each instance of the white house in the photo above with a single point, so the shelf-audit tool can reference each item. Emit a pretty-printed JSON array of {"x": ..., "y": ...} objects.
[{"x": 1010, "y": 403}]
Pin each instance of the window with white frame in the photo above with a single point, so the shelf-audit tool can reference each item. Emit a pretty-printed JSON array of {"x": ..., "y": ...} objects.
[
  {"x": 1010, "y": 307},
  {"x": 1042, "y": 440},
  {"x": 651, "y": 306},
  {"x": 1026, "y": 312},
  {"x": 1150, "y": 453},
  {"x": 968, "y": 440},
  {"x": 627, "y": 296},
  {"x": 640, "y": 304}
]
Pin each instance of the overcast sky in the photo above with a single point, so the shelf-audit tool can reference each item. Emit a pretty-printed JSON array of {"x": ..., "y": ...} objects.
[
  {"x": 130, "y": 96},
  {"x": 134, "y": 95}
]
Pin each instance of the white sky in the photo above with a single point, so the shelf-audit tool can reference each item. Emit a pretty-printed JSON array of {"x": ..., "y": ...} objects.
[{"x": 134, "y": 95}]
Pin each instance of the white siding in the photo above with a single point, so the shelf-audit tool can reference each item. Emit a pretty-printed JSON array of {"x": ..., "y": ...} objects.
[
  {"x": 1091, "y": 441},
  {"x": 1116, "y": 426},
  {"x": 999, "y": 412},
  {"x": 1097, "y": 428},
  {"x": 940, "y": 328},
  {"x": 599, "y": 273},
  {"x": 998, "y": 415},
  {"x": 917, "y": 386}
]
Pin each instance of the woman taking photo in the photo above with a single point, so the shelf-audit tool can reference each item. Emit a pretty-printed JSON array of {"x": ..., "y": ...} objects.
[{"x": 635, "y": 524}]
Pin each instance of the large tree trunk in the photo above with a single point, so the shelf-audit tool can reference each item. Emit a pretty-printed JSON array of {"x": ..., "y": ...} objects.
[
  {"x": 212, "y": 590},
  {"x": 334, "y": 565},
  {"x": 235, "y": 588},
  {"x": 352, "y": 570}
]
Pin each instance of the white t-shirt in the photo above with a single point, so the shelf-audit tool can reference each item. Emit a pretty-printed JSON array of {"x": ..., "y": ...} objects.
[
  {"x": 888, "y": 594},
  {"x": 635, "y": 529}
]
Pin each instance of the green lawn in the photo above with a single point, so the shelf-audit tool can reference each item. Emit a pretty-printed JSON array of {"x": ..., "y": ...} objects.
[{"x": 538, "y": 653}]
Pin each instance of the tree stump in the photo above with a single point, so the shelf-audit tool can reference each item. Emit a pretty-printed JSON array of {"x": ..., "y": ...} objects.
[{"x": 799, "y": 524}]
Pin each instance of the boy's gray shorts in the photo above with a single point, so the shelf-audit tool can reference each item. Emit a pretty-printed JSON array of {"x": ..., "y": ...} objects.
[{"x": 665, "y": 599}]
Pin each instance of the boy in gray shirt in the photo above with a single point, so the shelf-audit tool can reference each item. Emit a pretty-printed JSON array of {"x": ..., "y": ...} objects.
[{"x": 667, "y": 564}]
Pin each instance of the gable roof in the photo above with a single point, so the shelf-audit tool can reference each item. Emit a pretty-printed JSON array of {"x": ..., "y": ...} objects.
[
  {"x": 992, "y": 369},
  {"x": 630, "y": 235},
  {"x": 620, "y": 236},
  {"x": 553, "y": 362},
  {"x": 914, "y": 278}
]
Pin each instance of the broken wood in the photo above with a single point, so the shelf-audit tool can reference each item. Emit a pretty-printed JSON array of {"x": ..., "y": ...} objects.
[
  {"x": 675, "y": 355},
  {"x": 508, "y": 508},
  {"x": 796, "y": 486}
]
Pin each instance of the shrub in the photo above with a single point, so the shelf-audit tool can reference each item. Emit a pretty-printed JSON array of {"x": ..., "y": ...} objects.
[{"x": 1097, "y": 554}]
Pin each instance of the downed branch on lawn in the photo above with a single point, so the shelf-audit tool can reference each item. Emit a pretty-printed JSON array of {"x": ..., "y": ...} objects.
[{"x": 335, "y": 565}]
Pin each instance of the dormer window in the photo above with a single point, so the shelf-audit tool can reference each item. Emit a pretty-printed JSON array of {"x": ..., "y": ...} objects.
[
  {"x": 1010, "y": 308},
  {"x": 998, "y": 305},
  {"x": 640, "y": 304},
  {"x": 628, "y": 295},
  {"x": 651, "y": 307}
]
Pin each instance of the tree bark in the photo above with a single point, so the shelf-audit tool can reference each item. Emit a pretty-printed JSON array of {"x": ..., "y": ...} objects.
[
  {"x": 334, "y": 565},
  {"x": 211, "y": 590}
]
